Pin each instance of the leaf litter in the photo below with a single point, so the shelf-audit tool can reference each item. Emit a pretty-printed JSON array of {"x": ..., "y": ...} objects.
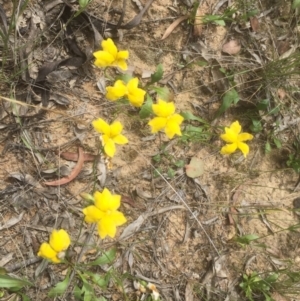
[{"x": 159, "y": 234}]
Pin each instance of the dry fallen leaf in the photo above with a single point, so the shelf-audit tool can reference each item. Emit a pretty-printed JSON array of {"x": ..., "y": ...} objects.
[
  {"x": 11, "y": 222},
  {"x": 254, "y": 24},
  {"x": 232, "y": 47},
  {"x": 74, "y": 173},
  {"x": 173, "y": 26},
  {"x": 195, "y": 168}
]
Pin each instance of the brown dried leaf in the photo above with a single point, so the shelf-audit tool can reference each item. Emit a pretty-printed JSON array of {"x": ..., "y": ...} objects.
[
  {"x": 75, "y": 172},
  {"x": 254, "y": 22},
  {"x": 173, "y": 26},
  {"x": 232, "y": 47},
  {"x": 198, "y": 25}
]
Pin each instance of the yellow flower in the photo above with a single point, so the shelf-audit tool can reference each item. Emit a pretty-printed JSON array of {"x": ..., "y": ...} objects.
[
  {"x": 134, "y": 94},
  {"x": 167, "y": 119},
  {"x": 110, "y": 56},
  {"x": 59, "y": 242},
  {"x": 235, "y": 138},
  {"x": 105, "y": 213},
  {"x": 111, "y": 135}
]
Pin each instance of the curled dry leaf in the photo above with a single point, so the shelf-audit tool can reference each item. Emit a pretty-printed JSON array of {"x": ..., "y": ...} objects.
[
  {"x": 74, "y": 173},
  {"x": 173, "y": 26},
  {"x": 232, "y": 47}
]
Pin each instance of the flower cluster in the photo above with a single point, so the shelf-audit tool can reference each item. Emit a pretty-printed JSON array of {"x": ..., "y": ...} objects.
[
  {"x": 165, "y": 120},
  {"x": 134, "y": 94},
  {"x": 104, "y": 212},
  {"x": 235, "y": 140},
  {"x": 58, "y": 243}
]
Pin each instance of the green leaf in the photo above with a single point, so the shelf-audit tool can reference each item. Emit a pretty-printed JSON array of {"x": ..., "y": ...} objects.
[
  {"x": 274, "y": 111},
  {"x": 268, "y": 147},
  {"x": 256, "y": 126},
  {"x": 187, "y": 115},
  {"x": 263, "y": 104},
  {"x": 100, "y": 280},
  {"x": 87, "y": 291},
  {"x": 10, "y": 282},
  {"x": 25, "y": 297},
  {"x": 179, "y": 163},
  {"x": 146, "y": 109},
  {"x": 272, "y": 278},
  {"x": 157, "y": 158},
  {"x": 171, "y": 173},
  {"x": 162, "y": 92},
  {"x": 277, "y": 142},
  {"x": 246, "y": 239},
  {"x": 77, "y": 292},
  {"x": 296, "y": 4},
  {"x": 157, "y": 75},
  {"x": 106, "y": 257},
  {"x": 60, "y": 287},
  {"x": 230, "y": 97},
  {"x": 220, "y": 22},
  {"x": 83, "y": 3}
]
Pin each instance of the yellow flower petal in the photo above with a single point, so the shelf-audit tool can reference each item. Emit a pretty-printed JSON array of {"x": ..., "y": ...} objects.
[
  {"x": 136, "y": 98},
  {"x": 47, "y": 252},
  {"x": 105, "y": 201},
  {"x": 157, "y": 124},
  {"x": 59, "y": 240},
  {"x": 105, "y": 139},
  {"x": 244, "y": 137},
  {"x": 110, "y": 47},
  {"x": 115, "y": 128},
  {"x": 103, "y": 58},
  {"x": 120, "y": 139},
  {"x": 92, "y": 214},
  {"x": 122, "y": 55},
  {"x": 176, "y": 118},
  {"x": 121, "y": 64},
  {"x": 236, "y": 127},
  {"x": 117, "y": 91},
  {"x": 106, "y": 226},
  {"x": 230, "y": 136},
  {"x": 101, "y": 126},
  {"x": 118, "y": 218},
  {"x": 135, "y": 95},
  {"x": 244, "y": 148},
  {"x": 172, "y": 128},
  {"x": 110, "y": 148},
  {"x": 228, "y": 149},
  {"x": 132, "y": 84},
  {"x": 163, "y": 108}
]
